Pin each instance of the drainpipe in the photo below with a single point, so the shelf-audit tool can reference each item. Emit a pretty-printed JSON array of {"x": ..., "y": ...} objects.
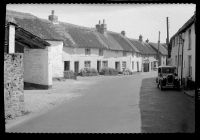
[
  {"x": 182, "y": 61},
  {"x": 178, "y": 58}
]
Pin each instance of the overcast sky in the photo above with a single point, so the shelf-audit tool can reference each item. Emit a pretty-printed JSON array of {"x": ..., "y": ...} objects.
[{"x": 135, "y": 19}]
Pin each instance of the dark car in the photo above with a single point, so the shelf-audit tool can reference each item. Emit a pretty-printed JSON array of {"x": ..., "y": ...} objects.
[{"x": 167, "y": 77}]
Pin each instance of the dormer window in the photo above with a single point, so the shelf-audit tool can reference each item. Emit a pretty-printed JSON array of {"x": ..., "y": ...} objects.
[
  {"x": 87, "y": 51},
  {"x": 124, "y": 53},
  {"x": 100, "y": 52}
]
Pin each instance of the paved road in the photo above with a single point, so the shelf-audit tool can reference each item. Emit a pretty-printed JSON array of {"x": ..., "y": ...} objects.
[
  {"x": 115, "y": 104},
  {"x": 111, "y": 105},
  {"x": 167, "y": 111}
]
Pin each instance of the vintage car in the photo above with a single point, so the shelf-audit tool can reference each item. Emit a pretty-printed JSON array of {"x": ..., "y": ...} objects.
[{"x": 167, "y": 77}]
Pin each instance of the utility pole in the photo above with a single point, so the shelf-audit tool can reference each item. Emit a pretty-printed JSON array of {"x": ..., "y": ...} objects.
[
  {"x": 158, "y": 48},
  {"x": 167, "y": 40}
]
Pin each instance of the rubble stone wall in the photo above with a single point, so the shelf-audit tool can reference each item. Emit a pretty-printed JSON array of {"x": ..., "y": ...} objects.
[{"x": 13, "y": 85}]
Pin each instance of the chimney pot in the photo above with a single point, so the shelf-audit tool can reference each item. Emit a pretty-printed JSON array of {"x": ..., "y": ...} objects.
[
  {"x": 103, "y": 21},
  {"x": 123, "y": 33},
  {"x": 147, "y": 40},
  {"x": 140, "y": 38}
]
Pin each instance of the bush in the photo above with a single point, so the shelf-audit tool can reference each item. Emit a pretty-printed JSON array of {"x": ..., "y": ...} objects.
[
  {"x": 88, "y": 72},
  {"x": 108, "y": 71},
  {"x": 127, "y": 72},
  {"x": 69, "y": 75}
]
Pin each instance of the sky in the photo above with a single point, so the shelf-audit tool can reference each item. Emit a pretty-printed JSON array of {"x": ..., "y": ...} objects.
[{"x": 134, "y": 19}]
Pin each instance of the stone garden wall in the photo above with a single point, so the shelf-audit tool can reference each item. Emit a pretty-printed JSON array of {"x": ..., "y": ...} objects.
[{"x": 13, "y": 85}]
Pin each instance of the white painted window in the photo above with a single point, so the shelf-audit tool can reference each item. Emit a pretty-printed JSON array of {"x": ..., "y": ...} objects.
[
  {"x": 87, "y": 64},
  {"x": 189, "y": 39},
  {"x": 87, "y": 51},
  {"x": 105, "y": 64},
  {"x": 100, "y": 52},
  {"x": 132, "y": 65},
  {"x": 124, "y": 53},
  {"x": 66, "y": 65},
  {"x": 124, "y": 65}
]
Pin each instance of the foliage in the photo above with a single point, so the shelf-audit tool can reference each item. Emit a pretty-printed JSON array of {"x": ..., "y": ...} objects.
[
  {"x": 108, "y": 71},
  {"x": 88, "y": 72}
]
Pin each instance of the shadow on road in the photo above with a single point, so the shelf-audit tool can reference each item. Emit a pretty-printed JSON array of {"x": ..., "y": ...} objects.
[{"x": 167, "y": 111}]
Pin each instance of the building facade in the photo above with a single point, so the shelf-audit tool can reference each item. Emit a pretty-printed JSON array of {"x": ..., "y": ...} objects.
[{"x": 183, "y": 45}]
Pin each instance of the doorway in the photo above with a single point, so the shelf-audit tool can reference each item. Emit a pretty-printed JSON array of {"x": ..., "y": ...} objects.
[
  {"x": 146, "y": 67},
  {"x": 117, "y": 66},
  {"x": 98, "y": 66},
  {"x": 76, "y": 67},
  {"x": 137, "y": 66}
]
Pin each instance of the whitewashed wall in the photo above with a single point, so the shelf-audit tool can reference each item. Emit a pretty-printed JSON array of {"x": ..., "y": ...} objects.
[
  {"x": 187, "y": 52},
  {"x": 37, "y": 66},
  {"x": 57, "y": 63},
  {"x": 78, "y": 54}
]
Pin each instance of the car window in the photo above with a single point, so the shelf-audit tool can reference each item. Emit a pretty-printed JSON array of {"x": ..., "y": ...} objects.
[{"x": 168, "y": 70}]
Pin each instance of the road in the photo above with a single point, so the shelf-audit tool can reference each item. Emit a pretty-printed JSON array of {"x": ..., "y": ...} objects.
[
  {"x": 168, "y": 111},
  {"x": 114, "y": 104}
]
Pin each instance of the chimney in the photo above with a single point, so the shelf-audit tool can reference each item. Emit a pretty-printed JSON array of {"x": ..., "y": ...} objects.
[
  {"x": 53, "y": 18},
  {"x": 147, "y": 41},
  {"x": 140, "y": 38},
  {"x": 123, "y": 33},
  {"x": 98, "y": 26},
  {"x": 101, "y": 27}
]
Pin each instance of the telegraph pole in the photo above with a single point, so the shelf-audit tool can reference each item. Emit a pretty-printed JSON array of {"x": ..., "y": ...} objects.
[
  {"x": 158, "y": 48},
  {"x": 167, "y": 40}
]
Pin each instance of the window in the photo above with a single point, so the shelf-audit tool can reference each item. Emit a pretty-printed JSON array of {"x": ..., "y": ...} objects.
[
  {"x": 190, "y": 65},
  {"x": 87, "y": 51},
  {"x": 105, "y": 64},
  {"x": 124, "y": 53},
  {"x": 87, "y": 64},
  {"x": 66, "y": 65},
  {"x": 154, "y": 64},
  {"x": 189, "y": 39},
  {"x": 100, "y": 52},
  {"x": 132, "y": 65},
  {"x": 176, "y": 61},
  {"x": 180, "y": 60},
  {"x": 124, "y": 65}
]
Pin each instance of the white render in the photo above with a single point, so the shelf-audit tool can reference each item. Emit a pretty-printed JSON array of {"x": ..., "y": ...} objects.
[
  {"x": 186, "y": 53},
  {"x": 56, "y": 59},
  {"x": 11, "y": 42},
  {"x": 37, "y": 66},
  {"x": 78, "y": 54},
  {"x": 191, "y": 52}
]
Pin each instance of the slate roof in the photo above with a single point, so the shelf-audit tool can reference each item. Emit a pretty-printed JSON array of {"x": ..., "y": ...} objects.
[
  {"x": 162, "y": 48},
  {"x": 185, "y": 26}
]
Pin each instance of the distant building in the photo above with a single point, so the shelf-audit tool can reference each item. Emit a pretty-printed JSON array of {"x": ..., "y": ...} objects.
[{"x": 183, "y": 45}]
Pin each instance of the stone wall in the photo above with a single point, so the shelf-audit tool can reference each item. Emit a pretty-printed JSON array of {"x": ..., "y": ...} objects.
[{"x": 13, "y": 85}]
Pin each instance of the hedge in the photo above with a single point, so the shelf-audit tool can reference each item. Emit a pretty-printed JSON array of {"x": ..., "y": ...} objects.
[{"x": 88, "y": 72}]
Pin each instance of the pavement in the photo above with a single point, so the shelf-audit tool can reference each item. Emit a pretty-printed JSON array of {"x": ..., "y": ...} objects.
[
  {"x": 108, "y": 104},
  {"x": 190, "y": 93}
]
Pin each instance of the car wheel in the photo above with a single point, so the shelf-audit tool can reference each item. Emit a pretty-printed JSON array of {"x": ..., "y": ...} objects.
[{"x": 161, "y": 87}]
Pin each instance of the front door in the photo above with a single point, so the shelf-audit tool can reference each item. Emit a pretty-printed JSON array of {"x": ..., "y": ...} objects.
[
  {"x": 146, "y": 67},
  {"x": 137, "y": 66},
  {"x": 76, "y": 67},
  {"x": 98, "y": 66},
  {"x": 117, "y": 66}
]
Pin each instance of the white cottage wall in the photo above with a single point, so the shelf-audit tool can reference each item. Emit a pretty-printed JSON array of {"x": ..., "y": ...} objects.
[
  {"x": 57, "y": 62},
  {"x": 37, "y": 67}
]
